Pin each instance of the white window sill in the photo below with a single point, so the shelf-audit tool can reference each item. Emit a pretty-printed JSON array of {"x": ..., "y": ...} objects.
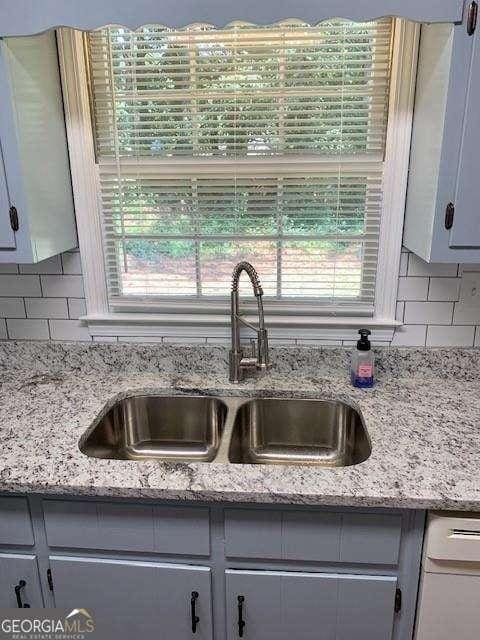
[{"x": 218, "y": 326}]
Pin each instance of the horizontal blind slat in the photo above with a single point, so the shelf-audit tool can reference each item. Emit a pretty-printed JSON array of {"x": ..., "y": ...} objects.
[{"x": 199, "y": 95}]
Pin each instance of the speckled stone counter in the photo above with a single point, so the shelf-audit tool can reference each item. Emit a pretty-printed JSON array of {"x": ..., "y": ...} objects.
[{"x": 423, "y": 418}]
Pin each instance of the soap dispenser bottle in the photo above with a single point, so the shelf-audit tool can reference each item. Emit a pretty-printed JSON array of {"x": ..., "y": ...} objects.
[{"x": 362, "y": 361}]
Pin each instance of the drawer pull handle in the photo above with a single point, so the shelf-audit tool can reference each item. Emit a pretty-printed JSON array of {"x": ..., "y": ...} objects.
[
  {"x": 241, "y": 621},
  {"x": 465, "y": 533},
  {"x": 18, "y": 594},
  {"x": 193, "y": 612}
]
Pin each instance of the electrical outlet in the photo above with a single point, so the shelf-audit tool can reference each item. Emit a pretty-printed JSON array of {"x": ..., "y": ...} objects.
[{"x": 470, "y": 291}]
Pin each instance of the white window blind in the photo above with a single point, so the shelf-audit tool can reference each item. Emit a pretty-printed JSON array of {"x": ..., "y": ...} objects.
[{"x": 257, "y": 143}]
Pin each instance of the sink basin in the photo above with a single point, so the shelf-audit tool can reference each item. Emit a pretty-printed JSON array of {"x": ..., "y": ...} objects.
[
  {"x": 230, "y": 429},
  {"x": 184, "y": 428},
  {"x": 294, "y": 431}
]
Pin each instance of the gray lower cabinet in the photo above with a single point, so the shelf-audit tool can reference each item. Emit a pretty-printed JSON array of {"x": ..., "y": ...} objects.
[
  {"x": 125, "y": 597},
  {"x": 281, "y": 605},
  {"x": 19, "y": 581}
]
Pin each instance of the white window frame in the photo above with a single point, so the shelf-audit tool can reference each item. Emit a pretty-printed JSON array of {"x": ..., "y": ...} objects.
[{"x": 212, "y": 318}]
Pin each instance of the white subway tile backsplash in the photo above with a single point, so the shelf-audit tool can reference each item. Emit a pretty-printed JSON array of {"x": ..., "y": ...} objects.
[
  {"x": 417, "y": 267},
  {"x": 53, "y": 290},
  {"x": 465, "y": 268},
  {"x": 444, "y": 289},
  {"x": 428, "y": 312},
  {"x": 20, "y": 285},
  {"x": 76, "y": 308},
  {"x": 69, "y": 330},
  {"x": 399, "y": 311},
  {"x": 403, "y": 264},
  {"x": 410, "y": 335},
  {"x": 71, "y": 262},
  {"x": 19, "y": 329},
  {"x": 46, "y": 307},
  {"x": 450, "y": 336},
  {"x": 62, "y": 286},
  {"x": 12, "y": 308},
  {"x": 412, "y": 288},
  {"x": 466, "y": 315},
  {"x": 50, "y": 265}
]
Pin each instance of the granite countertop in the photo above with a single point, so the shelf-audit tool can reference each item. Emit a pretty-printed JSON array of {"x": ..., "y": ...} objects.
[{"x": 423, "y": 418}]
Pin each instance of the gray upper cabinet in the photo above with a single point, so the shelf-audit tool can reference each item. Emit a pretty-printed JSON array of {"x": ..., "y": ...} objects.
[
  {"x": 442, "y": 222},
  {"x": 280, "y": 605},
  {"x": 465, "y": 231},
  {"x": 36, "y": 204},
  {"x": 7, "y": 236},
  {"x": 125, "y": 597},
  {"x": 24, "y": 17}
]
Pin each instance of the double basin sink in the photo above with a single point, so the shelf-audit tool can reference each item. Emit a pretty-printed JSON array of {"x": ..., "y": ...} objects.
[{"x": 230, "y": 429}]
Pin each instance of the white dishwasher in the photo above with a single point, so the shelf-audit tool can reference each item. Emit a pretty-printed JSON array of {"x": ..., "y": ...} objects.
[{"x": 449, "y": 597}]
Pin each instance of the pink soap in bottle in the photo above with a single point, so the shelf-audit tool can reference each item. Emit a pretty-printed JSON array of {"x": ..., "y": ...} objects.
[{"x": 362, "y": 363}]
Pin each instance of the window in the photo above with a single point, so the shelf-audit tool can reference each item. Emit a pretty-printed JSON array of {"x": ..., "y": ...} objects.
[{"x": 268, "y": 144}]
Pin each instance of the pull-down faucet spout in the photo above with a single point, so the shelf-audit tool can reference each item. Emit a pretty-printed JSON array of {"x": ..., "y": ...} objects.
[{"x": 259, "y": 359}]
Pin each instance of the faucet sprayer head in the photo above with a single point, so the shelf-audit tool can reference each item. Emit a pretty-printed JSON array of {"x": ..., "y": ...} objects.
[{"x": 252, "y": 274}]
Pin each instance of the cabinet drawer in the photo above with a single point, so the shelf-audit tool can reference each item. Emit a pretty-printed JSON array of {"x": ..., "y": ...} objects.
[
  {"x": 127, "y": 527},
  {"x": 313, "y": 536},
  {"x": 453, "y": 537},
  {"x": 15, "y": 523}
]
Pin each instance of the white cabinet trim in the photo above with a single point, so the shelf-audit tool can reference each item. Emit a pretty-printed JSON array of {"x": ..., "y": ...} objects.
[{"x": 84, "y": 178}]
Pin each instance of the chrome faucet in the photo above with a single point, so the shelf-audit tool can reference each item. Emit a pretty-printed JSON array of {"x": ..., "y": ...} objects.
[{"x": 258, "y": 360}]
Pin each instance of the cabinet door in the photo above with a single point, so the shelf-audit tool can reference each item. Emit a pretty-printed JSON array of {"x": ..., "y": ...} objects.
[
  {"x": 466, "y": 226},
  {"x": 309, "y": 606},
  {"x": 7, "y": 238},
  {"x": 448, "y": 607},
  {"x": 16, "y": 569},
  {"x": 132, "y": 599}
]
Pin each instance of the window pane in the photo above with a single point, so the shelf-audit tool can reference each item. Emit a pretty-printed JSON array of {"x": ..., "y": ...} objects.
[
  {"x": 322, "y": 269},
  {"x": 157, "y": 268},
  {"x": 242, "y": 90},
  {"x": 258, "y": 143},
  {"x": 218, "y": 260}
]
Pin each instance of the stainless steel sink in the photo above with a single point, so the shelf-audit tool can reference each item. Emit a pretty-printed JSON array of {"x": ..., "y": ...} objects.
[
  {"x": 230, "y": 429},
  {"x": 186, "y": 428},
  {"x": 294, "y": 431}
]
